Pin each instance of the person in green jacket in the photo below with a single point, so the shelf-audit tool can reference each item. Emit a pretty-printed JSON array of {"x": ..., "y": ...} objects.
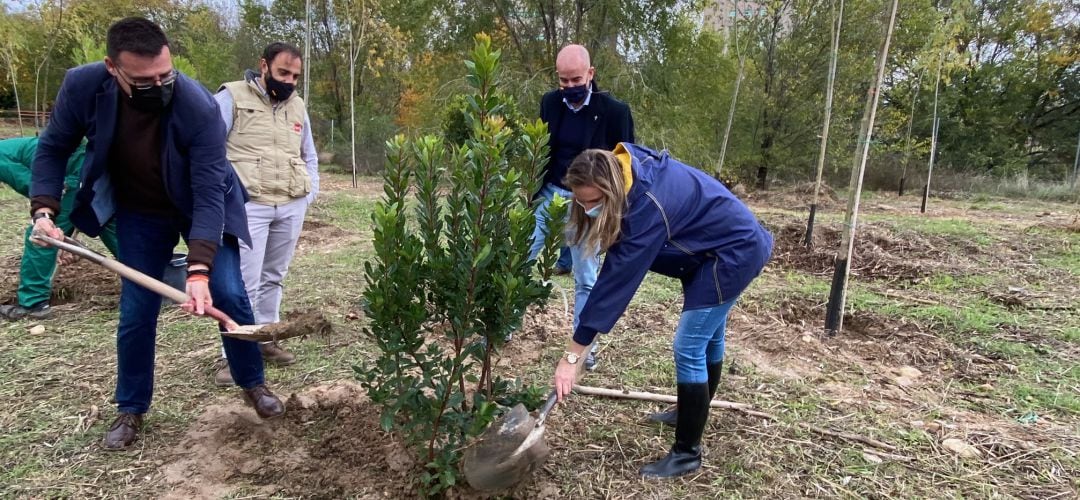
[{"x": 39, "y": 263}]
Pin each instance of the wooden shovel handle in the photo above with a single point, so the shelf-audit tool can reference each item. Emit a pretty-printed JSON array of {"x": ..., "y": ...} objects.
[
  {"x": 74, "y": 246},
  {"x": 650, "y": 396}
]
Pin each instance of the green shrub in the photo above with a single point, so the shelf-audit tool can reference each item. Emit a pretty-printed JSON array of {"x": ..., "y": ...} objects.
[{"x": 451, "y": 276}]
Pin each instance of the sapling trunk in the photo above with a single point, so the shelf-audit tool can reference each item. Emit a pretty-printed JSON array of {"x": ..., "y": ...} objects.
[
  {"x": 907, "y": 141},
  {"x": 834, "y": 312},
  {"x": 825, "y": 125},
  {"x": 933, "y": 137},
  {"x": 1076, "y": 162},
  {"x": 734, "y": 100}
]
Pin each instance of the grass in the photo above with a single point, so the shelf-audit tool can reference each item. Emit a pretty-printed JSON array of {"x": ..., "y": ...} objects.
[
  {"x": 951, "y": 227},
  {"x": 987, "y": 368},
  {"x": 1019, "y": 187}
]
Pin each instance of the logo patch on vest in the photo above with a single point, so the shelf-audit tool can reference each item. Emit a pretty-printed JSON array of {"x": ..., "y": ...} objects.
[{"x": 297, "y": 127}]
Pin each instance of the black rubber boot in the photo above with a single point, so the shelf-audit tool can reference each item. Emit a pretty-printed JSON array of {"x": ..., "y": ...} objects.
[
  {"x": 685, "y": 454},
  {"x": 669, "y": 417}
]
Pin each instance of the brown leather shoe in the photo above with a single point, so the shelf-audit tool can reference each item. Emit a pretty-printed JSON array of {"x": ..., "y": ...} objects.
[
  {"x": 266, "y": 404},
  {"x": 273, "y": 353},
  {"x": 123, "y": 432},
  {"x": 222, "y": 375}
]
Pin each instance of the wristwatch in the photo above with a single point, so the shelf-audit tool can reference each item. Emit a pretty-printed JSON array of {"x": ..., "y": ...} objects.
[
  {"x": 40, "y": 215},
  {"x": 572, "y": 358}
]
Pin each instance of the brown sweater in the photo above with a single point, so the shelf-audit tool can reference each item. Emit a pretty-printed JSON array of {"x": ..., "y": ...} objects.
[{"x": 138, "y": 175}]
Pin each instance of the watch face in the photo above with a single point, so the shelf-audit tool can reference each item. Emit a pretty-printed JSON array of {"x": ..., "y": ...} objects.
[{"x": 571, "y": 358}]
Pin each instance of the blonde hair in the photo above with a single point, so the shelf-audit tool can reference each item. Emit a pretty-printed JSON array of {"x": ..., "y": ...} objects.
[{"x": 600, "y": 169}]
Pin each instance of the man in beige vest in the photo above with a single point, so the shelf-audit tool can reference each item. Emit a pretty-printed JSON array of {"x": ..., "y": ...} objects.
[{"x": 271, "y": 147}]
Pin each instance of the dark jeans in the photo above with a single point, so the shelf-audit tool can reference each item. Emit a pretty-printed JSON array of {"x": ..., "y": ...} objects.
[{"x": 146, "y": 244}]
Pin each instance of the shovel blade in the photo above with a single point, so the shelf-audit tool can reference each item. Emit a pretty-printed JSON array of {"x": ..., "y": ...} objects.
[{"x": 491, "y": 463}]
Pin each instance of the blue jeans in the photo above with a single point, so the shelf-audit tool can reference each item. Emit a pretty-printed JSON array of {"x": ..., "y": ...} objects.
[
  {"x": 699, "y": 342},
  {"x": 586, "y": 265},
  {"x": 565, "y": 260},
  {"x": 146, "y": 244}
]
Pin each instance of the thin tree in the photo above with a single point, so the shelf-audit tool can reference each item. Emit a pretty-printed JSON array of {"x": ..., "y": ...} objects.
[
  {"x": 834, "y": 312},
  {"x": 356, "y": 45},
  {"x": 836, "y": 24},
  {"x": 39, "y": 111},
  {"x": 907, "y": 141},
  {"x": 741, "y": 54},
  {"x": 1076, "y": 162},
  {"x": 9, "y": 58},
  {"x": 933, "y": 136},
  {"x": 307, "y": 48}
]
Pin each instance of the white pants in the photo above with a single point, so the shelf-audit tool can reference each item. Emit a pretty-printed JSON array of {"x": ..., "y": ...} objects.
[{"x": 274, "y": 233}]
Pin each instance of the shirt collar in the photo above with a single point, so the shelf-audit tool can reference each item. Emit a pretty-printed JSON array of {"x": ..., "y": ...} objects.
[{"x": 588, "y": 97}]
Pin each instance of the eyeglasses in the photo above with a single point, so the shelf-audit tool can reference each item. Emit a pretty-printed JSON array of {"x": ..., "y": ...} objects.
[{"x": 148, "y": 83}]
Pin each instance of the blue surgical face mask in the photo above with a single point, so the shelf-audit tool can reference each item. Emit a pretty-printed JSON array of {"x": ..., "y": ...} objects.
[{"x": 593, "y": 212}]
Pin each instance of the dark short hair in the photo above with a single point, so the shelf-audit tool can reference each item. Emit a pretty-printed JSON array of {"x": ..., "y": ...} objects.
[
  {"x": 137, "y": 35},
  {"x": 271, "y": 51}
]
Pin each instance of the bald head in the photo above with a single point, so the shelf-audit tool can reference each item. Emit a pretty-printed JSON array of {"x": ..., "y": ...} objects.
[
  {"x": 573, "y": 67},
  {"x": 573, "y": 55}
]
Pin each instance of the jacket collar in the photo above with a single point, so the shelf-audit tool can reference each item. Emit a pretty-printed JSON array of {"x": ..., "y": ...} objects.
[
  {"x": 255, "y": 81},
  {"x": 643, "y": 162}
]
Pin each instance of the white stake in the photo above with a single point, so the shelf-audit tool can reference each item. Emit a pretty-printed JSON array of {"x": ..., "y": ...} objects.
[{"x": 834, "y": 312}]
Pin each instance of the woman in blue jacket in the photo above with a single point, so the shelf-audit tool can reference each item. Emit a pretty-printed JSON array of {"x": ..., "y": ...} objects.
[{"x": 650, "y": 212}]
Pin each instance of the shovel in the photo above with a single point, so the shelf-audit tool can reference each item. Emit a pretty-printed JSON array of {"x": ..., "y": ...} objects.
[
  {"x": 232, "y": 329},
  {"x": 511, "y": 449}
]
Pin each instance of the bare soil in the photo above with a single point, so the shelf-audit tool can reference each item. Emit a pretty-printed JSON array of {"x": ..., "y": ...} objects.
[
  {"x": 85, "y": 285},
  {"x": 328, "y": 445},
  {"x": 881, "y": 253}
]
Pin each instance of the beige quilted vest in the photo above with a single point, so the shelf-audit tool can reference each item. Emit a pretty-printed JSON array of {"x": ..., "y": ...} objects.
[{"x": 264, "y": 145}]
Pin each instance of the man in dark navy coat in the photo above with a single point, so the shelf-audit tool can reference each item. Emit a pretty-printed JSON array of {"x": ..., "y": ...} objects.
[{"x": 155, "y": 160}]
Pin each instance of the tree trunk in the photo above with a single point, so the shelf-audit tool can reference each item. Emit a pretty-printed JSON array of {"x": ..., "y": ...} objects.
[
  {"x": 39, "y": 110},
  {"x": 307, "y": 49},
  {"x": 825, "y": 126},
  {"x": 907, "y": 141},
  {"x": 731, "y": 117},
  {"x": 834, "y": 311},
  {"x": 332, "y": 57},
  {"x": 15, "y": 91},
  {"x": 933, "y": 137},
  {"x": 1076, "y": 160},
  {"x": 515, "y": 38},
  {"x": 769, "y": 121}
]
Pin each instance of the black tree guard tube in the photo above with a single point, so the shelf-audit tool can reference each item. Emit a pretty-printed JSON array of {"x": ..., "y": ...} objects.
[
  {"x": 834, "y": 311},
  {"x": 809, "y": 241}
]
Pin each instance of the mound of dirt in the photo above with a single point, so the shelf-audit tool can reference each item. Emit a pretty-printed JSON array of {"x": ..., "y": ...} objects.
[
  {"x": 321, "y": 235},
  {"x": 869, "y": 343},
  {"x": 81, "y": 282},
  {"x": 328, "y": 445},
  {"x": 797, "y": 195},
  {"x": 880, "y": 252}
]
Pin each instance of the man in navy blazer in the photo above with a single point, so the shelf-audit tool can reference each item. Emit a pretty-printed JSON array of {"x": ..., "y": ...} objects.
[
  {"x": 155, "y": 160},
  {"x": 579, "y": 116}
]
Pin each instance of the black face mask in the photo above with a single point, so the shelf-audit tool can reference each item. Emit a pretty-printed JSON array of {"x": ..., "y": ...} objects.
[
  {"x": 152, "y": 100},
  {"x": 574, "y": 95},
  {"x": 278, "y": 90}
]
